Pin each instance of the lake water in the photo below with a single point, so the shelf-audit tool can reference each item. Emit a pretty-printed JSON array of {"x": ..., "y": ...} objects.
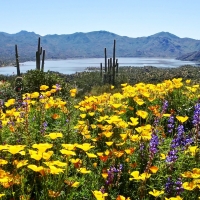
[{"x": 71, "y": 66}]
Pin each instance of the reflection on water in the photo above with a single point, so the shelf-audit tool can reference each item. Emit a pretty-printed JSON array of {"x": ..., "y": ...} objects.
[{"x": 71, "y": 66}]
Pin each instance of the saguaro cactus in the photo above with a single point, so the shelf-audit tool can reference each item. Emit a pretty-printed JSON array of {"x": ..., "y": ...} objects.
[
  {"x": 112, "y": 69},
  {"x": 105, "y": 60},
  {"x": 43, "y": 57},
  {"x": 101, "y": 69},
  {"x": 17, "y": 61},
  {"x": 39, "y": 52}
]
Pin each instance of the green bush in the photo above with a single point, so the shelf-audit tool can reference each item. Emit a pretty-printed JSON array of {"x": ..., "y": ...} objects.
[
  {"x": 33, "y": 79},
  {"x": 6, "y": 91}
]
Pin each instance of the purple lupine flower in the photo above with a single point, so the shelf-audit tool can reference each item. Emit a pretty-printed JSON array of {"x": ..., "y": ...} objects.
[
  {"x": 156, "y": 121},
  {"x": 179, "y": 187},
  {"x": 141, "y": 150},
  {"x": 43, "y": 128},
  {"x": 141, "y": 146},
  {"x": 24, "y": 104},
  {"x": 154, "y": 143},
  {"x": 102, "y": 190},
  {"x": 120, "y": 167},
  {"x": 112, "y": 172},
  {"x": 170, "y": 125},
  {"x": 110, "y": 176},
  {"x": 169, "y": 186},
  {"x": 172, "y": 156},
  {"x": 58, "y": 87},
  {"x": 179, "y": 139},
  {"x": 45, "y": 124},
  {"x": 196, "y": 116},
  {"x": 165, "y": 106}
]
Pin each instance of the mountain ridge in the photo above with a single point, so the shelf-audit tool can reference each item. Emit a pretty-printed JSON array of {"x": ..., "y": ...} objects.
[{"x": 92, "y": 44}]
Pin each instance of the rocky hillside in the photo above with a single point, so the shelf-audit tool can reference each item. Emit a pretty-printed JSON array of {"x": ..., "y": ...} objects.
[
  {"x": 192, "y": 56},
  {"x": 92, "y": 44}
]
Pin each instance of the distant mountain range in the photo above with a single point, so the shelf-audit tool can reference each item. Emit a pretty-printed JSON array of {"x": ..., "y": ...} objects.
[{"x": 92, "y": 44}]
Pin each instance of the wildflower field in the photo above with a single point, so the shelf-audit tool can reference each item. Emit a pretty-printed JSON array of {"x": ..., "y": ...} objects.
[{"x": 140, "y": 143}]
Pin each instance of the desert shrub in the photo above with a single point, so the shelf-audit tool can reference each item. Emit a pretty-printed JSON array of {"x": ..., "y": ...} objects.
[
  {"x": 33, "y": 79},
  {"x": 6, "y": 90}
]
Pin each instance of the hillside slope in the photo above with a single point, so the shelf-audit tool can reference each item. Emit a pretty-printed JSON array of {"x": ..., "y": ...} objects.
[{"x": 92, "y": 44}]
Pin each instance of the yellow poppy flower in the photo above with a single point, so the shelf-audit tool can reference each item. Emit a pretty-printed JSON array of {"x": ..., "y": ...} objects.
[
  {"x": 108, "y": 133},
  {"x": 134, "y": 121},
  {"x": 55, "y": 116},
  {"x": 142, "y": 177},
  {"x": 3, "y": 162},
  {"x": 10, "y": 102},
  {"x": 188, "y": 81},
  {"x": 36, "y": 156},
  {"x": 82, "y": 116},
  {"x": 74, "y": 161},
  {"x": 156, "y": 193},
  {"x": 47, "y": 155},
  {"x": 55, "y": 170},
  {"x": 138, "y": 101},
  {"x": 182, "y": 119},
  {"x": 129, "y": 151},
  {"x": 153, "y": 169},
  {"x": 116, "y": 105},
  {"x": 111, "y": 87},
  {"x": 99, "y": 195},
  {"x": 53, "y": 136},
  {"x": 67, "y": 152},
  {"x": 91, "y": 155},
  {"x": 109, "y": 143},
  {"x": 35, "y": 95},
  {"x": 174, "y": 198},
  {"x": 189, "y": 185},
  {"x": 85, "y": 146},
  {"x": 69, "y": 146},
  {"x": 14, "y": 149},
  {"x": 94, "y": 165},
  {"x": 91, "y": 113},
  {"x": 166, "y": 115},
  {"x": 124, "y": 84},
  {"x": 56, "y": 162},
  {"x": 104, "y": 175},
  {"x": 83, "y": 170},
  {"x": 107, "y": 152},
  {"x": 73, "y": 92},
  {"x": 20, "y": 163},
  {"x": 142, "y": 114},
  {"x": 75, "y": 184},
  {"x": 42, "y": 147},
  {"x": 162, "y": 156},
  {"x": 35, "y": 168},
  {"x": 44, "y": 87},
  {"x": 53, "y": 194}
]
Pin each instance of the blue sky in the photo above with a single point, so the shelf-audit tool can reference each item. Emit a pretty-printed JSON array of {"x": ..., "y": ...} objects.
[{"x": 132, "y": 18}]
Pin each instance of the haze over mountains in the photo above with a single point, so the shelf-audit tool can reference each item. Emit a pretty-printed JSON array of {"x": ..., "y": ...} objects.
[{"x": 92, "y": 44}]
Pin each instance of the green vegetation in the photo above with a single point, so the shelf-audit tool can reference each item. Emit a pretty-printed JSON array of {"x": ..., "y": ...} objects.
[
  {"x": 91, "y": 81},
  {"x": 72, "y": 137}
]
